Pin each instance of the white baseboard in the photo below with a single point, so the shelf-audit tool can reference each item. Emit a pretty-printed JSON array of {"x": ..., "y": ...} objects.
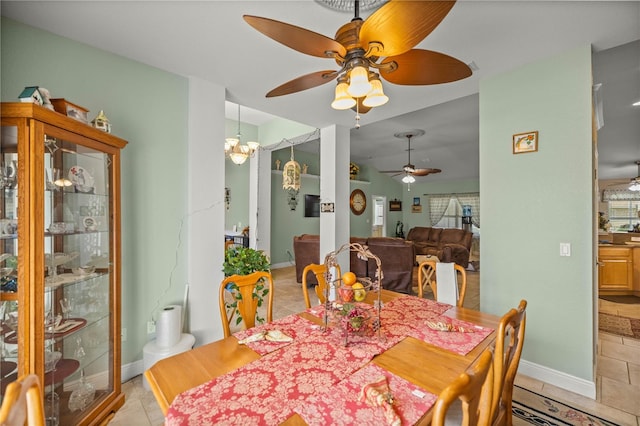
[
  {"x": 131, "y": 370},
  {"x": 557, "y": 378}
]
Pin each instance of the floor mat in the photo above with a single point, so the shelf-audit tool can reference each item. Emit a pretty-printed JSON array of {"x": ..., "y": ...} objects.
[
  {"x": 622, "y": 326},
  {"x": 541, "y": 410},
  {"x": 622, "y": 299}
]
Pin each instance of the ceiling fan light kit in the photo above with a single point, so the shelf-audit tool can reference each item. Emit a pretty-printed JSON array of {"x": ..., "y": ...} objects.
[
  {"x": 380, "y": 46},
  {"x": 409, "y": 170}
]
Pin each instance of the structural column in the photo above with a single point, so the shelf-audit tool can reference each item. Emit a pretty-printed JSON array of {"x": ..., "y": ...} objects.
[{"x": 335, "y": 152}]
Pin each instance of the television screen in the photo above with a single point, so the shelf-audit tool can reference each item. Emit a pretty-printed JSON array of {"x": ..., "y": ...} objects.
[{"x": 311, "y": 205}]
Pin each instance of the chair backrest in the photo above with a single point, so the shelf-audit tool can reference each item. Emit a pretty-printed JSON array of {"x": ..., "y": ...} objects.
[
  {"x": 320, "y": 272},
  {"x": 474, "y": 388},
  {"x": 23, "y": 401},
  {"x": 434, "y": 284},
  {"x": 509, "y": 343},
  {"x": 247, "y": 306},
  {"x": 228, "y": 244}
]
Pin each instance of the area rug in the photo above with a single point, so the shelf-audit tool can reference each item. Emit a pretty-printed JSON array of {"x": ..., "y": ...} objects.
[
  {"x": 622, "y": 299},
  {"x": 622, "y": 326},
  {"x": 540, "y": 410}
]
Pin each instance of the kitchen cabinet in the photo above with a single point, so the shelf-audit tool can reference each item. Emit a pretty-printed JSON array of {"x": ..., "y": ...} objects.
[
  {"x": 60, "y": 261},
  {"x": 615, "y": 270}
]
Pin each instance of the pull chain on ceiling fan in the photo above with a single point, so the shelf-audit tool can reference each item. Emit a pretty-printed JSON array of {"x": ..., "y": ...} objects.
[{"x": 382, "y": 46}]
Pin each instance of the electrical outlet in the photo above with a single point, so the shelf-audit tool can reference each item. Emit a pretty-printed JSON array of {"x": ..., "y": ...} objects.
[
  {"x": 123, "y": 334},
  {"x": 151, "y": 327}
]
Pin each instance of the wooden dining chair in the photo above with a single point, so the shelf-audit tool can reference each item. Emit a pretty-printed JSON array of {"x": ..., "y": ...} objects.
[
  {"x": 508, "y": 349},
  {"x": 320, "y": 271},
  {"x": 427, "y": 271},
  {"x": 474, "y": 388},
  {"x": 23, "y": 401},
  {"x": 228, "y": 244},
  {"x": 247, "y": 306}
]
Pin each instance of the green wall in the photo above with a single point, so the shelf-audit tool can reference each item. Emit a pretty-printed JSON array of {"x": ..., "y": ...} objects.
[
  {"x": 147, "y": 107},
  {"x": 532, "y": 202}
]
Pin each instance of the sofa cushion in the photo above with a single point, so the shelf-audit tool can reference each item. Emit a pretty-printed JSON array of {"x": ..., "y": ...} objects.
[
  {"x": 306, "y": 250},
  {"x": 456, "y": 236},
  {"x": 435, "y": 235},
  {"x": 397, "y": 259},
  {"x": 357, "y": 265},
  {"x": 418, "y": 233}
]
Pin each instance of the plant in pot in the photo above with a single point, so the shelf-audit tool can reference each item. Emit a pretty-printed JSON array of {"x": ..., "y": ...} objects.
[{"x": 244, "y": 261}]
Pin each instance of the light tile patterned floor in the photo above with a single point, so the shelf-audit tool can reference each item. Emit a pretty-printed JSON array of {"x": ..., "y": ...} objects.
[{"x": 617, "y": 380}]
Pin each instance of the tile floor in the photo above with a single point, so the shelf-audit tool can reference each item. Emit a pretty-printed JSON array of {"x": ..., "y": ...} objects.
[{"x": 617, "y": 376}]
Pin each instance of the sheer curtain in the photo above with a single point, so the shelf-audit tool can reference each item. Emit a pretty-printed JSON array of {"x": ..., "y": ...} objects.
[
  {"x": 437, "y": 206},
  {"x": 472, "y": 200}
]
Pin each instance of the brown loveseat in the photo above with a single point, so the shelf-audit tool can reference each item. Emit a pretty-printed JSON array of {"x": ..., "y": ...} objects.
[
  {"x": 433, "y": 241},
  {"x": 396, "y": 257}
]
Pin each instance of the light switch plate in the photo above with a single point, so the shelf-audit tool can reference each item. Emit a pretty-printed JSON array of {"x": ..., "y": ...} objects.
[{"x": 565, "y": 249}]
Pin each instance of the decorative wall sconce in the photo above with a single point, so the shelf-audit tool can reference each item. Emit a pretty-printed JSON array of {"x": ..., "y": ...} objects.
[{"x": 227, "y": 198}]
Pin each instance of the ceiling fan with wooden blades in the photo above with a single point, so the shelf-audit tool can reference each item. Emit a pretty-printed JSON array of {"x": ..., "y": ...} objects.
[
  {"x": 409, "y": 169},
  {"x": 365, "y": 50}
]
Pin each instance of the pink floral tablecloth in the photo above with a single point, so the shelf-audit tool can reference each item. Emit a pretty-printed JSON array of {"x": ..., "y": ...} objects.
[
  {"x": 293, "y": 326},
  {"x": 298, "y": 376},
  {"x": 340, "y": 405},
  {"x": 268, "y": 390}
]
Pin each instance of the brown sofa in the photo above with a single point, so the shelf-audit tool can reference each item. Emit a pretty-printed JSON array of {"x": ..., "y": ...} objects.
[
  {"x": 433, "y": 241},
  {"x": 396, "y": 257}
]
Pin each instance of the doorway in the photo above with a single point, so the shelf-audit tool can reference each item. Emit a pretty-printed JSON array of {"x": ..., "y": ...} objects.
[{"x": 379, "y": 219}]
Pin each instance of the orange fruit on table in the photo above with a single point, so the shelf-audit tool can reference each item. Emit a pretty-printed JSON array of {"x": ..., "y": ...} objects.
[{"x": 349, "y": 278}]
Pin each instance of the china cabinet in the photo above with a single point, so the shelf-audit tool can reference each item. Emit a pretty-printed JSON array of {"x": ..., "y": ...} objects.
[{"x": 60, "y": 261}]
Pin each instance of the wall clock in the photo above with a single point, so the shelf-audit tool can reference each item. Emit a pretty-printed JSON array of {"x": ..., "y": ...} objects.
[{"x": 358, "y": 201}]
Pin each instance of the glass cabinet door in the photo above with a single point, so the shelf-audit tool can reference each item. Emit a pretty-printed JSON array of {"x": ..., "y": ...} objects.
[
  {"x": 8, "y": 255},
  {"x": 78, "y": 349}
]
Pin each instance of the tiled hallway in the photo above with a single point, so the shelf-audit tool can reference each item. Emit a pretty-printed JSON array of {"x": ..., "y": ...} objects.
[{"x": 617, "y": 380}]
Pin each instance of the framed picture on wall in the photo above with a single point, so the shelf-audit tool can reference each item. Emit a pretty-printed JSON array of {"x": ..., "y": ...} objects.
[
  {"x": 416, "y": 201},
  {"x": 525, "y": 142},
  {"x": 416, "y": 209},
  {"x": 395, "y": 206}
]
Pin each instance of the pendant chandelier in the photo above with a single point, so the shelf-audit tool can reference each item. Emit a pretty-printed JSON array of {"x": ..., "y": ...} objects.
[
  {"x": 235, "y": 150},
  {"x": 291, "y": 180}
]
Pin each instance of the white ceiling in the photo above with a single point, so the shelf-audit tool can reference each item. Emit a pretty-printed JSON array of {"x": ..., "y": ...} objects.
[{"x": 210, "y": 40}]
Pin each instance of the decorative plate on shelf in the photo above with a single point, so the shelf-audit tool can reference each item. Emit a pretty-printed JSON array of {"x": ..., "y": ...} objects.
[{"x": 81, "y": 178}]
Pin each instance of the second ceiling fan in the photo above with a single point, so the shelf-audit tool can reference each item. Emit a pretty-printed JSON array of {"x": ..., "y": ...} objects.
[
  {"x": 409, "y": 170},
  {"x": 380, "y": 46}
]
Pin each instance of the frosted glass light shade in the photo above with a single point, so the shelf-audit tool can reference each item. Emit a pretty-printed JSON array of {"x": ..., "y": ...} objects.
[
  {"x": 238, "y": 157},
  {"x": 376, "y": 96},
  {"x": 359, "y": 85},
  {"x": 408, "y": 179},
  {"x": 342, "y": 99}
]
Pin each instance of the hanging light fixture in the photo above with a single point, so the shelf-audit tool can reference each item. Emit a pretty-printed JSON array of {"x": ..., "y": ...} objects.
[
  {"x": 356, "y": 84},
  {"x": 291, "y": 180},
  {"x": 634, "y": 185},
  {"x": 235, "y": 150}
]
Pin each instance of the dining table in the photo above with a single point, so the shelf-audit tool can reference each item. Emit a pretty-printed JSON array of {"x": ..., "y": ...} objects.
[{"x": 318, "y": 376}]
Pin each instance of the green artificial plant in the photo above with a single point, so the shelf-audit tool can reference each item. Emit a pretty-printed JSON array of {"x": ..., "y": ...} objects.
[{"x": 240, "y": 260}]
